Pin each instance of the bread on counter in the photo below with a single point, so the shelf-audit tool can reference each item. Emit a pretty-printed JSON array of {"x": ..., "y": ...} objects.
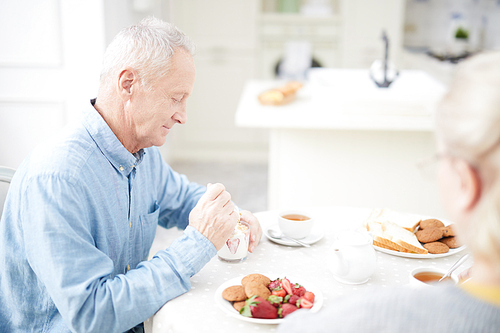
[{"x": 281, "y": 95}]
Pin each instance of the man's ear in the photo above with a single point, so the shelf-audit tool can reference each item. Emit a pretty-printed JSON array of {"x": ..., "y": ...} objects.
[
  {"x": 127, "y": 83},
  {"x": 470, "y": 185}
]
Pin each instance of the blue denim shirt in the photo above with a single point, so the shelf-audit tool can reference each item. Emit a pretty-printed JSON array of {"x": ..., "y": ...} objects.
[{"x": 78, "y": 223}]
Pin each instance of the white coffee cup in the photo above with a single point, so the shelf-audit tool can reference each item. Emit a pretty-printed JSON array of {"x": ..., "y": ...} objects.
[
  {"x": 295, "y": 224},
  {"x": 429, "y": 276}
]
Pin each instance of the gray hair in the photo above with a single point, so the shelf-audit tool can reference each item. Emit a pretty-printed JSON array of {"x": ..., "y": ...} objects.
[
  {"x": 146, "y": 47},
  {"x": 468, "y": 123}
]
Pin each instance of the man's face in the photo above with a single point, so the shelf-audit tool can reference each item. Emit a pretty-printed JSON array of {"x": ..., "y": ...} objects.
[{"x": 153, "y": 113}]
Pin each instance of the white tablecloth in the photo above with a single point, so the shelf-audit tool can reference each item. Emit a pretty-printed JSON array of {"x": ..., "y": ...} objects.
[{"x": 196, "y": 310}]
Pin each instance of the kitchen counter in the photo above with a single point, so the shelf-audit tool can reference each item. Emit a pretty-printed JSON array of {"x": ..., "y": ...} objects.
[
  {"x": 344, "y": 141},
  {"x": 347, "y": 100}
]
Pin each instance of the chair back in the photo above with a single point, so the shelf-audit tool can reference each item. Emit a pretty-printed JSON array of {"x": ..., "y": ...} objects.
[{"x": 6, "y": 175}]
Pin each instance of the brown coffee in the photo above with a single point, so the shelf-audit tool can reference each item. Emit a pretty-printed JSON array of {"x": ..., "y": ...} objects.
[
  {"x": 429, "y": 277},
  {"x": 296, "y": 217}
]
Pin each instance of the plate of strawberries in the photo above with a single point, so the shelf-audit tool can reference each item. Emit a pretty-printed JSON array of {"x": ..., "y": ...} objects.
[{"x": 259, "y": 299}]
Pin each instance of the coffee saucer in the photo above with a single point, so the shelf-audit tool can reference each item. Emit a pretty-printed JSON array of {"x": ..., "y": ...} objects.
[{"x": 316, "y": 235}]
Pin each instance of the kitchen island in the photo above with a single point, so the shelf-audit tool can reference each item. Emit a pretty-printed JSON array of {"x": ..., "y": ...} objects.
[{"x": 344, "y": 141}]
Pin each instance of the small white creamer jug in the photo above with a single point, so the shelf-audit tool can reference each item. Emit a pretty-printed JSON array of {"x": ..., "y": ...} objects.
[{"x": 352, "y": 259}]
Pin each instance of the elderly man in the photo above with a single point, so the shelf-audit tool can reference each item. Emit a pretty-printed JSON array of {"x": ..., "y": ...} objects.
[{"x": 82, "y": 210}]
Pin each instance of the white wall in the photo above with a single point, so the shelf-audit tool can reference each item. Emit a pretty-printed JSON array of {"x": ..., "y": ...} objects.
[
  {"x": 49, "y": 66},
  {"x": 120, "y": 14}
]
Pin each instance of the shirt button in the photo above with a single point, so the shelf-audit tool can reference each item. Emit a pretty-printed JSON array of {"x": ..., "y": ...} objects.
[{"x": 121, "y": 168}]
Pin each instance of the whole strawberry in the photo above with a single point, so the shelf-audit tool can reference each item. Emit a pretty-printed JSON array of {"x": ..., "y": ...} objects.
[
  {"x": 275, "y": 300},
  {"x": 274, "y": 284},
  {"x": 257, "y": 307},
  {"x": 292, "y": 299},
  {"x": 298, "y": 290},
  {"x": 286, "y": 309}
]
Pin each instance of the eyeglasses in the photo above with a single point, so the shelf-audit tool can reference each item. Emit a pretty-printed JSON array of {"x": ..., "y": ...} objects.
[{"x": 428, "y": 166}]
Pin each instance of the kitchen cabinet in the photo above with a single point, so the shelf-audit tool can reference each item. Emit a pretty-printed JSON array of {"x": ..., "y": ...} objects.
[
  {"x": 275, "y": 30},
  {"x": 224, "y": 32},
  {"x": 362, "y": 25}
]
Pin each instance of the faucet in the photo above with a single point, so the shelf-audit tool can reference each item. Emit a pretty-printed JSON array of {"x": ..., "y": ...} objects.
[{"x": 386, "y": 82}]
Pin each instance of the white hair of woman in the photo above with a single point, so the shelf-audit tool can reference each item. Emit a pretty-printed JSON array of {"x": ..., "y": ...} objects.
[
  {"x": 145, "y": 47},
  {"x": 468, "y": 127}
]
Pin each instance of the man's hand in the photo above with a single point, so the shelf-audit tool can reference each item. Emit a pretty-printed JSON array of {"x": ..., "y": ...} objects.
[
  {"x": 255, "y": 229},
  {"x": 214, "y": 215}
]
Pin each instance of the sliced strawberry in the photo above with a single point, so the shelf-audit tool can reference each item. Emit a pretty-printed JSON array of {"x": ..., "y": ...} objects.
[
  {"x": 233, "y": 244},
  {"x": 309, "y": 296},
  {"x": 285, "y": 283},
  {"x": 286, "y": 309},
  {"x": 304, "y": 303},
  {"x": 278, "y": 292}
]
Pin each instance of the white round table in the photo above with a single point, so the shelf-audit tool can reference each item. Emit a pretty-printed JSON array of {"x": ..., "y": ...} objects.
[{"x": 196, "y": 311}]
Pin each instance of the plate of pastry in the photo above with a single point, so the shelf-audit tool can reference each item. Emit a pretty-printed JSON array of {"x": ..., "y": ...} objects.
[{"x": 411, "y": 235}]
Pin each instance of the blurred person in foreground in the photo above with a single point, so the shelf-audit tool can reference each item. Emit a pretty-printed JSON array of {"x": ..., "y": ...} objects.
[
  {"x": 468, "y": 145},
  {"x": 82, "y": 211}
]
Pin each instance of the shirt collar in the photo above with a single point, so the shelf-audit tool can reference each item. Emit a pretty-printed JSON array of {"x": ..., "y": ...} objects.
[{"x": 114, "y": 151}]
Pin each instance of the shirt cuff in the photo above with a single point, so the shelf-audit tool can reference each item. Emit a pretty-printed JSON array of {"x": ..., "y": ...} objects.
[{"x": 194, "y": 249}]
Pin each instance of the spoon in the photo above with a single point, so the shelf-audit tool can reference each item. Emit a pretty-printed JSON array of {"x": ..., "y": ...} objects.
[
  {"x": 455, "y": 266},
  {"x": 277, "y": 235}
]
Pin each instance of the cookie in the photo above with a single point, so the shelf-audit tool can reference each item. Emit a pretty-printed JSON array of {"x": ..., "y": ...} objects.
[
  {"x": 238, "y": 305},
  {"x": 429, "y": 235},
  {"x": 257, "y": 278},
  {"x": 430, "y": 223},
  {"x": 448, "y": 231},
  {"x": 234, "y": 293},
  {"x": 451, "y": 242},
  {"x": 258, "y": 289},
  {"x": 436, "y": 247}
]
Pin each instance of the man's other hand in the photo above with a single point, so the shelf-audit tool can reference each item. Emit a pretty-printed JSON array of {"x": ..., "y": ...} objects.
[
  {"x": 214, "y": 215},
  {"x": 255, "y": 229}
]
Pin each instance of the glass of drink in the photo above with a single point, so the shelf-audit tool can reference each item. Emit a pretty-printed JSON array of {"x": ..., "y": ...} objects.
[{"x": 236, "y": 248}]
